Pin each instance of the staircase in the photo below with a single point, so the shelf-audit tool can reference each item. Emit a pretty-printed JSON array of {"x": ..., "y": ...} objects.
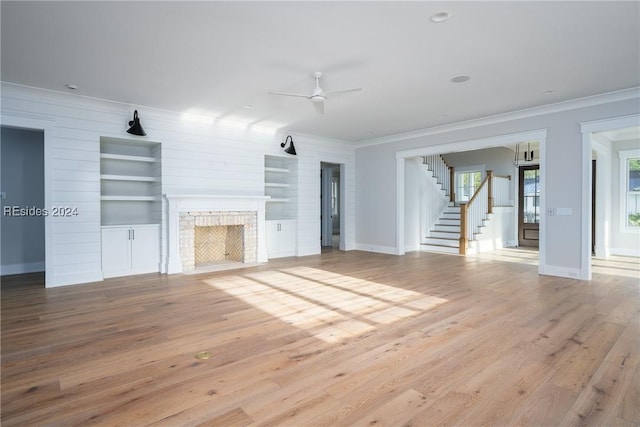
[
  {"x": 445, "y": 235},
  {"x": 444, "y": 232},
  {"x": 471, "y": 219}
]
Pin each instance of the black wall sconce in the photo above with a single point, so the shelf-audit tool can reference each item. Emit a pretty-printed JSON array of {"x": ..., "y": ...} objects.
[
  {"x": 135, "y": 127},
  {"x": 290, "y": 149}
]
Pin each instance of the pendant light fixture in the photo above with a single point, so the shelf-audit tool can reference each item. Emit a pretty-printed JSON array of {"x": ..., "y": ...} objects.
[
  {"x": 290, "y": 149},
  {"x": 135, "y": 127}
]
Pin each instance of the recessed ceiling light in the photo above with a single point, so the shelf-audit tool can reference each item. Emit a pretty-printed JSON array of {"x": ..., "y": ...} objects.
[
  {"x": 248, "y": 106},
  {"x": 548, "y": 92},
  {"x": 460, "y": 79},
  {"x": 71, "y": 86},
  {"x": 440, "y": 17}
]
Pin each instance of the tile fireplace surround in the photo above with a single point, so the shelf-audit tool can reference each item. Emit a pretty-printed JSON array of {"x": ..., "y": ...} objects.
[{"x": 185, "y": 211}]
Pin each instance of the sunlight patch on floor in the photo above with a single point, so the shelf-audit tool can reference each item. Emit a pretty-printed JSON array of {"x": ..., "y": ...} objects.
[
  {"x": 623, "y": 266},
  {"x": 328, "y": 305},
  {"x": 515, "y": 255},
  {"x": 617, "y": 266}
]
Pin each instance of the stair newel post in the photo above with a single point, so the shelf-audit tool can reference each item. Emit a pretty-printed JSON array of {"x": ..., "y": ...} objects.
[
  {"x": 463, "y": 229},
  {"x": 490, "y": 192},
  {"x": 452, "y": 184}
]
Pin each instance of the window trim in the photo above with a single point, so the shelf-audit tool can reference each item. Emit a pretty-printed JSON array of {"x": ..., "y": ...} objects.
[
  {"x": 467, "y": 169},
  {"x": 624, "y": 156}
]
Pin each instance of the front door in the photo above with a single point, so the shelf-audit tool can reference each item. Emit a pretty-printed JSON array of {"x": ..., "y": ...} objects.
[{"x": 529, "y": 206}]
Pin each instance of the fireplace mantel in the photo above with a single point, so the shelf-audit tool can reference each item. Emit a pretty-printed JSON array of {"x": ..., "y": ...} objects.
[{"x": 180, "y": 203}]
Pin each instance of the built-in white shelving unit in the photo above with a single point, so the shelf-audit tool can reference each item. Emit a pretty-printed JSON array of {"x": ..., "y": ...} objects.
[
  {"x": 130, "y": 182},
  {"x": 280, "y": 183},
  {"x": 130, "y": 206}
]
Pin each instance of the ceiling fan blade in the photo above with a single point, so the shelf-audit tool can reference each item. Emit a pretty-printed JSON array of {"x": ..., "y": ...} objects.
[
  {"x": 340, "y": 92},
  {"x": 319, "y": 106},
  {"x": 297, "y": 95}
]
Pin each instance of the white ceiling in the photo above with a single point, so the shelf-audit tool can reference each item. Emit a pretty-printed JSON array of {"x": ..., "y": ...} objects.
[
  {"x": 215, "y": 58},
  {"x": 624, "y": 134}
]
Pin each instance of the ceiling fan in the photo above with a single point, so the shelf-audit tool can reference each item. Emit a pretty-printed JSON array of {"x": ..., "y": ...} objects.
[{"x": 318, "y": 96}]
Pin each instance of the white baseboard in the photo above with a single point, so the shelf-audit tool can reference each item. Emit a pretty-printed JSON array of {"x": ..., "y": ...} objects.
[
  {"x": 557, "y": 271},
  {"x": 309, "y": 250},
  {"x": 377, "y": 249},
  {"x": 412, "y": 248},
  {"x": 624, "y": 252},
  {"x": 27, "y": 267},
  {"x": 74, "y": 278}
]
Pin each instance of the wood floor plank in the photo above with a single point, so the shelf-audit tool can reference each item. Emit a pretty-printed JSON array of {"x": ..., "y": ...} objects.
[{"x": 338, "y": 339}]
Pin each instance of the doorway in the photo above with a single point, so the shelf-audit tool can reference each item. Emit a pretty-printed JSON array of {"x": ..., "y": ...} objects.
[
  {"x": 529, "y": 206},
  {"x": 330, "y": 204},
  {"x": 22, "y": 195}
]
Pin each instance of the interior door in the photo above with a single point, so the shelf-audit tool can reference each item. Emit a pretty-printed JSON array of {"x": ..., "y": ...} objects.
[
  {"x": 593, "y": 207},
  {"x": 529, "y": 206},
  {"x": 326, "y": 232}
]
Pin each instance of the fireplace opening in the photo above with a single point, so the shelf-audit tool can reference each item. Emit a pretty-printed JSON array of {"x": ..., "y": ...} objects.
[{"x": 221, "y": 244}]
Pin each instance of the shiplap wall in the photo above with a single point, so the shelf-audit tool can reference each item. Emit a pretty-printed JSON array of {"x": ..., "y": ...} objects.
[{"x": 196, "y": 159}]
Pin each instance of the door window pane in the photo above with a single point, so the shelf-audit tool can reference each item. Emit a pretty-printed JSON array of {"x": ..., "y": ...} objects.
[{"x": 531, "y": 196}]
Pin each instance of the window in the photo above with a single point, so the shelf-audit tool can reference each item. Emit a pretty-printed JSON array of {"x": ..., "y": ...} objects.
[
  {"x": 630, "y": 190},
  {"x": 334, "y": 196},
  {"x": 466, "y": 184}
]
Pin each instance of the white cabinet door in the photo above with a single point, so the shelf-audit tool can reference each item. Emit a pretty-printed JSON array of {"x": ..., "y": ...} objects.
[
  {"x": 273, "y": 245},
  {"x": 144, "y": 249},
  {"x": 281, "y": 238},
  {"x": 116, "y": 251},
  {"x": 130, "y": 250},
  {"x": 287, "y": 238}
]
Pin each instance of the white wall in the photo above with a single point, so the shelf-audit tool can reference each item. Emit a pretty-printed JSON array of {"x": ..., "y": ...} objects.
[
  {"x": 22, "y": 248},
  {"x": 196, "y": 158},
  {"x": 628, "y": 242},
  {"x": 424, "y": 203},
  {"x": 497, "y": 159},
  {"x": 376, "y": 171}
]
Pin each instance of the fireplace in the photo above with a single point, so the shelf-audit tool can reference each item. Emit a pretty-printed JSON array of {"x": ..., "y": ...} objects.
[
  {"x": 207, "y": 232},
  {"x": 209, "y": 238},
  {"x": 218, "y": 244}
]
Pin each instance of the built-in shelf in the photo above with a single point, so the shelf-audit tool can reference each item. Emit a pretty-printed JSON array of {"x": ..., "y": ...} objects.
[
  {"x": 277, "y": 170},
  {"x": 128, "y": 158},
  {"x": 280, "y": 184},
  {"x": 128, "y": 178},
  {"x": 130, "y": 198},
  {"x": 130, "y": 182}
]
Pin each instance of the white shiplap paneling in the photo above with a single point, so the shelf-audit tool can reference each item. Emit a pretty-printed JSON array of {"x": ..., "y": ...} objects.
[{"x": 196, "y": 158}]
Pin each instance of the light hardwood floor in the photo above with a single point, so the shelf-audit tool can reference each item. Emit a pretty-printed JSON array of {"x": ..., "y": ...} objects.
[{"x": 338, "y": 339}]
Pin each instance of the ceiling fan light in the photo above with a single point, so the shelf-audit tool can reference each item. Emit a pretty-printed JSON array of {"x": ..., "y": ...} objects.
[{"x": 317, "y": 98}]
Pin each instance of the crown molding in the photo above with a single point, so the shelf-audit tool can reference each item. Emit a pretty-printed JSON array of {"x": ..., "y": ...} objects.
[{"x": 573, "y": 104}]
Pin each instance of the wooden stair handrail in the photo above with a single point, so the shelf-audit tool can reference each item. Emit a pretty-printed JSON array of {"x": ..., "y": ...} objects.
[
  {"x": 463, "y": 229},
  {"x": 465, "y": 206},
  {"x": 452, "y": 178}
]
